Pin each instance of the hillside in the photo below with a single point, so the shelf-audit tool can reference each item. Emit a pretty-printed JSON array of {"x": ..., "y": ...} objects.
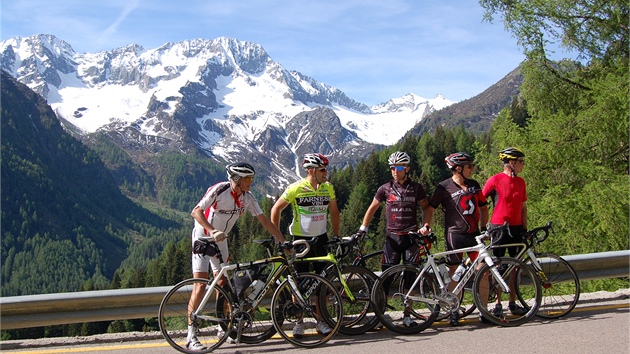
[
  {"x": 477, "y": 113},
  {"x": 64, "y": 219}
]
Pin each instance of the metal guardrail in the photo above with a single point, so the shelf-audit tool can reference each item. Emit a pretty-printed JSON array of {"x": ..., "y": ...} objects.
[{"x": 108, "y": 305}]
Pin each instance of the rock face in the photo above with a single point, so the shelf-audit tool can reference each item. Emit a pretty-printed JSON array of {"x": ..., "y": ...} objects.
[{"x": 223, "y": 97}]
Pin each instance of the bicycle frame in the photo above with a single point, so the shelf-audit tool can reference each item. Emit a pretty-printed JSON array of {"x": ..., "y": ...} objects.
[
  {"x": 528, "y": 250},
  {"x": 483, "y": 256},
  {"x": 280, "y": 266},
  {"x": 330, "y": 258}
]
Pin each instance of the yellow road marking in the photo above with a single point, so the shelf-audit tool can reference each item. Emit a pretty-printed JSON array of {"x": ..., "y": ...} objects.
[{"x": 164, "y": 344}]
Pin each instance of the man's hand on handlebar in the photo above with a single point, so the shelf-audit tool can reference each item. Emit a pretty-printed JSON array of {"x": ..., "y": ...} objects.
[{"x": 425, "y": 230}]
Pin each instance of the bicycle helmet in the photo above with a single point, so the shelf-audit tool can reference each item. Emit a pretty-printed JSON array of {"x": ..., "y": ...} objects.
[
  {"x": 314, "y": 161},
  {"x": 511, "y": 153},
  {"x": 399, "y": 158},
  {"x": 236, "y": 171},
  {"x": 458, "y": 159}
]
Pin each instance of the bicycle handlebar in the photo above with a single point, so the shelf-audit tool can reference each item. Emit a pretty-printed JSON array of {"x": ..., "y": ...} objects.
[
  {"x": 307, "y": 248},
  {"x": 533, "y": 233}
]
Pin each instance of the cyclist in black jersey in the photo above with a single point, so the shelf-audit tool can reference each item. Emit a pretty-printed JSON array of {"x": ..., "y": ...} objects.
[
  {"x": 402, "y": 196},
  {"x": 464, "y": 208}
]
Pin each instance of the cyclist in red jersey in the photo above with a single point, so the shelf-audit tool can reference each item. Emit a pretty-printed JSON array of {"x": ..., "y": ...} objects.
[
  {"x": 464, "y": 208},
  {"x": 509, "y": 196}
]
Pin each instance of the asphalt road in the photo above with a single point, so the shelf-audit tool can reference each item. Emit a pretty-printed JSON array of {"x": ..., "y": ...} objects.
[{"x": 600, "y": 324}]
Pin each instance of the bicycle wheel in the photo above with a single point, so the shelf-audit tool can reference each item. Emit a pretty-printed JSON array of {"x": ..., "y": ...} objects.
[
  {"x": 173, "y": 317},
  {"x": 488, "y": 293},
  {"x": 560, "y": 286},
  {"x": 371, "y": 261},
  {"x": 321, "y": 299},
  {"x": 255, "y": 324},
  {"x": 398, "y": 313},
  {"x": 358, "y": 313}
]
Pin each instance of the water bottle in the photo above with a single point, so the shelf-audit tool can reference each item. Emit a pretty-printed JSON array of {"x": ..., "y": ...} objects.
[
  {"x": 444, "y": 273},
  {"x": 257, "y": 286},
  {"x": 459, "y": 272}
]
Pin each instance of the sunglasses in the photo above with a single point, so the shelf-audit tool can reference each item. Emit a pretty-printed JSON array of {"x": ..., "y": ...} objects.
[
  {"x": 248, "y": 178},
  {"x": 323, "y": 169},
  {"x": 397, "y": 168},
  {"x": 521, "y": 161}
]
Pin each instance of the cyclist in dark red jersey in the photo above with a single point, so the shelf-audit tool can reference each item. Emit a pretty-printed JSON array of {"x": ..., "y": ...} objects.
[
  {"x": 464, "y": 208},
  {"x": 402, "y": 197}
]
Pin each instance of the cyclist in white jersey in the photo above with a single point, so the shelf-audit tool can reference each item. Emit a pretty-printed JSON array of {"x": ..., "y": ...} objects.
[{"x": 215, "y": 215}]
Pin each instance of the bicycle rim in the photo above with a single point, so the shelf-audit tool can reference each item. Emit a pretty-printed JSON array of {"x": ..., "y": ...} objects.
[
  {"x": 358, "y": 312},
  {"x": 494, "y": 305},
  {"x": 323, "y": 301},
  {"x": 174, "y": 320},
  {"x": 398, "y": 313},
  {"x": 560, "y": 286}
]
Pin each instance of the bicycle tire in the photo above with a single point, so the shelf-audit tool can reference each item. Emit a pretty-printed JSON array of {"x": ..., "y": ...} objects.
[
  {"x": 173, "y": 317},
  {"x": 370, "y": 261},
  {"x": 525, "y": 281},
  {"x": 560, "y": 286},
  {"x": 358, "y": 314},
  {"x": 287, "y": 311},
  {"x": 387, "y": 298}
]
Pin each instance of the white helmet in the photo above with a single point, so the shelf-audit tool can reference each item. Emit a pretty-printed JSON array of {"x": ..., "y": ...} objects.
[
  {"x": 236, "y": 171},
  {"x": 314, "y": 161},
  {"x": 399, "y": 158}
]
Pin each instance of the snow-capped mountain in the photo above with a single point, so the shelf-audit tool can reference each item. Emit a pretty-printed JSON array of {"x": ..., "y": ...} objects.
[{"x": 223, "y": 96}]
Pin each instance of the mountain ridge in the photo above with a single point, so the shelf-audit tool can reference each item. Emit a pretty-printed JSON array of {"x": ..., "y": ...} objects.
[{"x": 222, "y": 97}]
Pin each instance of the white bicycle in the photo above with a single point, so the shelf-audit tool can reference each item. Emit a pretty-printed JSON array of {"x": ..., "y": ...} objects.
[{"x": 409, "y": 298}]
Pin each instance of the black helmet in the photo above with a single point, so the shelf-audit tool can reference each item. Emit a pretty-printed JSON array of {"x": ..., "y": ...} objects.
[
  {"x": 236, "y": 171},
  {"x": 314, "y": 161},
  {"x": 511, "y": 153},
  {"x": 458, "y": 159}
]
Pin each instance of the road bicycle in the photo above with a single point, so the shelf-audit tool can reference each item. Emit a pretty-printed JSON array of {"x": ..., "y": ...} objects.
[
  {"x": 560, "y": 282},
  {"x": 354, "y": 284},
  {"x": 221, "y": 314},
  {"x": 408, "y": 298}
]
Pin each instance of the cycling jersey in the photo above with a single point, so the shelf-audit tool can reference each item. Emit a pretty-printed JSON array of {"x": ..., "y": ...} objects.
[
  {"x": 401, "y": 204},
  {"x": 222, "y": 207},
  {"x": 310, "y": 207},
  {"x": 508, "y": 194},
  {"x": 460, "y": 206}
]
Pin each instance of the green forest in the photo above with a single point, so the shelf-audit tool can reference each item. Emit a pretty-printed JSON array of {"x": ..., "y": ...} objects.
[{"x": 571, "y": 120}]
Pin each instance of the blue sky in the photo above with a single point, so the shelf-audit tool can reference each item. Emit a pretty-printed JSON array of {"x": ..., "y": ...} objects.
[{"x": 371, "y": 50}]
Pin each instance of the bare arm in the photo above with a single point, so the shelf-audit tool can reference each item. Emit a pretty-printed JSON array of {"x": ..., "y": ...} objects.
[
  {"x": 485, "y": 216},
  {"x": 427, "y": 215},
  {"x": 273, "y": 229},
  {"x": 369, "y": 213},
  {"x": 276, "y": 210},
  {"x": 197, "y": 214}
]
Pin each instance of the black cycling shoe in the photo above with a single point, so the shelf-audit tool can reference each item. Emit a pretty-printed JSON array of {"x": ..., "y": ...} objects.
[
  {"x": 516, "y": 309},
  {"x": 497, "y": 311},
  {"x": 454, "y": 319}
]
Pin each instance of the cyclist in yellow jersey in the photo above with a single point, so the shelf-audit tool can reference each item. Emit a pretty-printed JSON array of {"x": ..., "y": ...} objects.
[{"x": 312, "y": 200}]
